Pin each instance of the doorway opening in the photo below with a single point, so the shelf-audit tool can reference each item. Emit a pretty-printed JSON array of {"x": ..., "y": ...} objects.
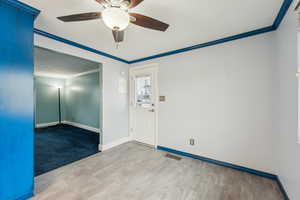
[{"x": 68, "y": 109}]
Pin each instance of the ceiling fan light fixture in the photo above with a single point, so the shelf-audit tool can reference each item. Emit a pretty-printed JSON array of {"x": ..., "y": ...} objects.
[{"x": 116, "y": 18}]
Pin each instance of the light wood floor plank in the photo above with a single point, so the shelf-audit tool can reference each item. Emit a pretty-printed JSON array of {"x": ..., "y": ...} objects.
[{"x": 135, "y": 172}]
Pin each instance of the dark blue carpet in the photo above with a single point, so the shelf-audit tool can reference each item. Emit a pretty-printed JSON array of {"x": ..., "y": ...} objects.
[{"x": 59, "y": 145}]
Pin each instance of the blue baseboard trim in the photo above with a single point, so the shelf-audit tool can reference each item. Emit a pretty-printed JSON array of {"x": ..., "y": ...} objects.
[
  {"x": 285, "y": 195},
  {"x": 220, "y": 163},
  {"x": 69, "y": 42},
  {"x": 25, "y": 196},
  {"x": 35, "y": 12},
  {"x": 229, "y": 165}
]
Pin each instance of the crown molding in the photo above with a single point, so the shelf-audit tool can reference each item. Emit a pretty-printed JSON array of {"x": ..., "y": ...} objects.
[
  {"x": 207, "y": 44},
  {"x": 35, "y": 12},
  {"x": 59, "y": 76},
  {"x": 49, "y": 75},
  {"x": 282, "y": 12},
  {"x": 84, "y": 73},
  {"x": 69, "y": 42}
]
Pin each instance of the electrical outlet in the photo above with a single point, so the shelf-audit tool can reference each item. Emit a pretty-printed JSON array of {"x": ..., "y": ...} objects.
[{"x": 192, "y": 142}]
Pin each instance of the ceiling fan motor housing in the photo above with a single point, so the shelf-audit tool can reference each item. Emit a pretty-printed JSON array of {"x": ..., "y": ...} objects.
[{"x": 120, "y": 3}]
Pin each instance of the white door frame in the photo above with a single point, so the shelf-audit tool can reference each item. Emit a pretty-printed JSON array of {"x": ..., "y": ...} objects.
[{"x": 131, "y": 69}]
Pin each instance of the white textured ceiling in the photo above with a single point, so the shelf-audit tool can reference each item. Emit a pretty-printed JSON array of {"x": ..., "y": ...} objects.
[
  {"x": 191, "y": 22},
  {"x": 55, "y": 64}
]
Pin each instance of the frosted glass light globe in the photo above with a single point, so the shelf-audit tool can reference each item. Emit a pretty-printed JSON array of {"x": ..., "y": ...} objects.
[{"x": 115, "y": 18}]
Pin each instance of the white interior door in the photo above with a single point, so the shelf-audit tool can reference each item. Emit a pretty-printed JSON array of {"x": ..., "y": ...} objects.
[{"x": 143, "y": 104}]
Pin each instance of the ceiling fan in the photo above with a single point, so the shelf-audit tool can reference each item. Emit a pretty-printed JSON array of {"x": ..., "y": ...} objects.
[
  {"x": 117, "y": 17},
  {"x": 297, "y": 6}
]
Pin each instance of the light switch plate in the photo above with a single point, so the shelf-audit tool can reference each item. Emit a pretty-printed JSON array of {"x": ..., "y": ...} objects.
[{"x": 162, "y": 98}]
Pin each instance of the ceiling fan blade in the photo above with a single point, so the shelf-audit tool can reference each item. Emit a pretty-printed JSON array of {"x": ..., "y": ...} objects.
[
  {"x": 297, "y": 5},
  {"x": 134, "y": 3},
  {"x": 103, "y": 2},
  {"x": 118, "y": 36},
  {"x": 80, "y": 17},
  {"x": 148, "y": 22}
]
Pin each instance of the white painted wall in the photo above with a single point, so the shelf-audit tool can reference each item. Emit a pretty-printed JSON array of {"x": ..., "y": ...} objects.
[
  {"x": 115, "y": 104},
  {"x": 238, "y": 100},
  {"x": 221, "y": 96},
  {"x": 286, "y": 104}
]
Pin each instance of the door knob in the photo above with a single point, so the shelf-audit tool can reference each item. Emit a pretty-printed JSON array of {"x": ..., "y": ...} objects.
[{"x": 152, "y": 110}]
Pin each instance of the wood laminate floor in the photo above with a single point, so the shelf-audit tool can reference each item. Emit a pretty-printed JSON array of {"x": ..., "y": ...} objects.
[{"x": 135, "y": 172}]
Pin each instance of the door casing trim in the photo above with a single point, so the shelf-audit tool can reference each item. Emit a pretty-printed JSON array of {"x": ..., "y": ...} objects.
[{"x": 154, "y": 66}]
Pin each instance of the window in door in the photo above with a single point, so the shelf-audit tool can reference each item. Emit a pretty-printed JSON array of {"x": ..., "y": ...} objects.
[{"x": 143, "y": 91}]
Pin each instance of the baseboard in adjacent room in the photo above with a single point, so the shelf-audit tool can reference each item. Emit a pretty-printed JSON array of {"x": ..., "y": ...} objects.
[
  {"x": 115, "y": 143},
  {"x": 43, "y": 125},
  {"x": 100, "y": 147},
  {"x": 78, "y": 125}
]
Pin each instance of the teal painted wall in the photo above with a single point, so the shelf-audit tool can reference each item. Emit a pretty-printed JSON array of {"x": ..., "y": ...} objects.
[
  {"x": 46, "y": 90},
  {"x": 83, "y": 100},
  {"x": 80, "y": 100}
]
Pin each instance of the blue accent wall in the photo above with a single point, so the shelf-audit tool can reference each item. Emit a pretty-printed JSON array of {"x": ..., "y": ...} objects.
[{"x": 16, "y": 101}]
